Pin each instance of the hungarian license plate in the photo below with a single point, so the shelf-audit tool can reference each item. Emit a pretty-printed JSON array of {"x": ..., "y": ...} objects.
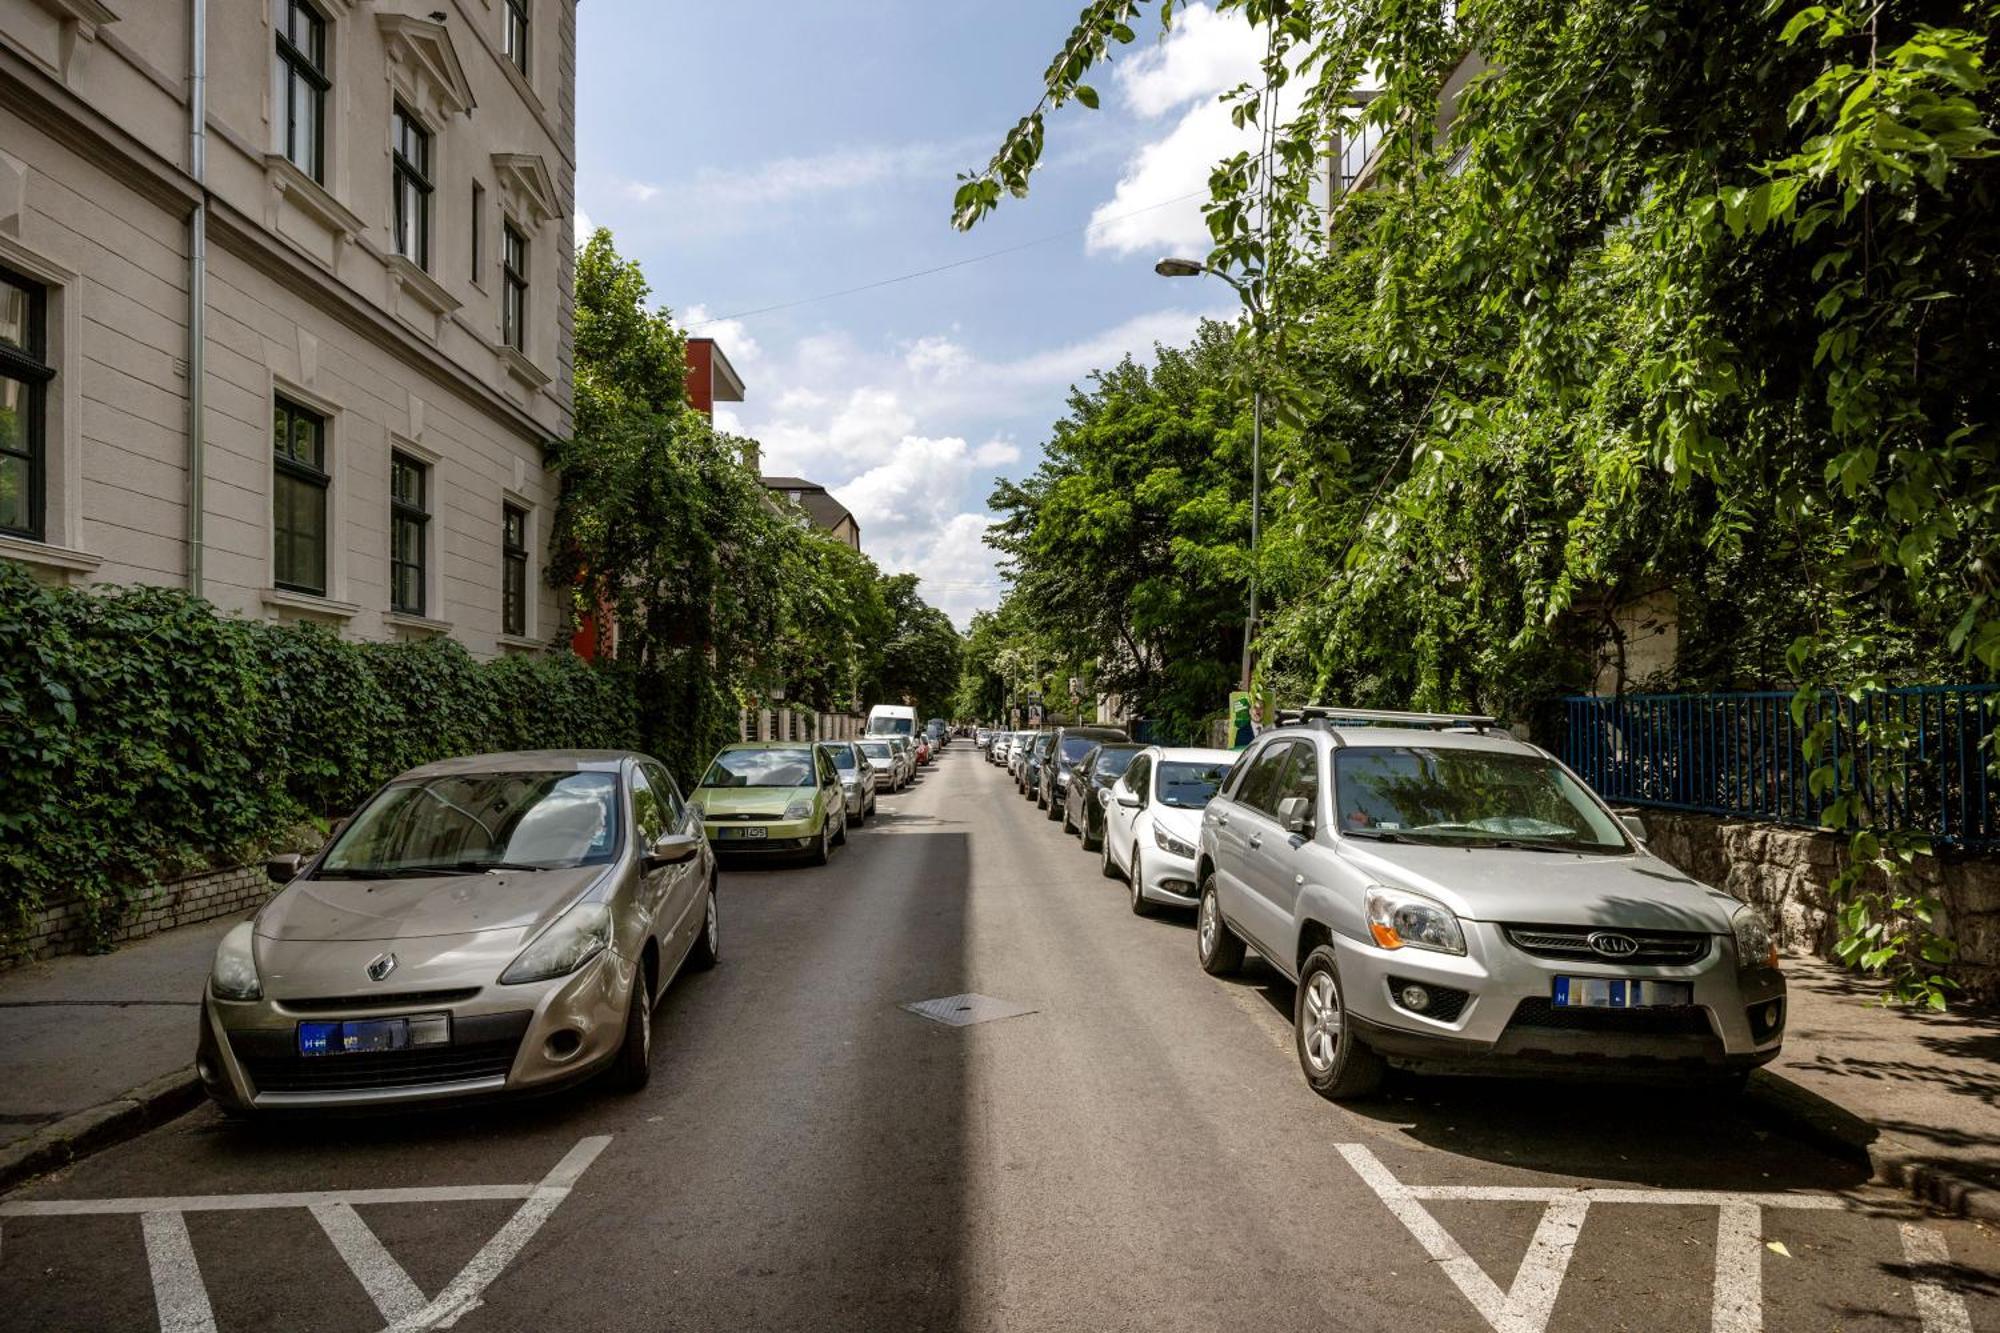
[
  {"x": 1619, "y": 993},
  {"x": 748, "y": 831},
  {"x": 361, "y": 1036}
]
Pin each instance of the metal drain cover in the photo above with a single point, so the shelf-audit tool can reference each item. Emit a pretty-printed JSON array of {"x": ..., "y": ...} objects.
[{"x": 962, "y": 1011}]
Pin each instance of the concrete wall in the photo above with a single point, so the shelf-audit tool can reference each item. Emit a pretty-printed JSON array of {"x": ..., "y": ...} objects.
[{"x": 1786, "y": 871}]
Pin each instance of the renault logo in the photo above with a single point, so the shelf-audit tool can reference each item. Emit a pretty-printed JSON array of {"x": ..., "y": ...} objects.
[
  {"x": 384, "y": 964},
  {"x": 1606, "y": 942}
]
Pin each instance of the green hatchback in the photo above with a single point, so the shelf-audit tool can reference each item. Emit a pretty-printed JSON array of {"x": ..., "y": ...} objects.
[{"x": 773, "y": 797}]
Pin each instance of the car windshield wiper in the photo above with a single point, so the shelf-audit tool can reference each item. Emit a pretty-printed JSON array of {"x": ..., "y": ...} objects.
[
  {"x": 390, "y": 872},
  {"x": 495, "y": 865},
  {"x": 1376, "y": 835}
]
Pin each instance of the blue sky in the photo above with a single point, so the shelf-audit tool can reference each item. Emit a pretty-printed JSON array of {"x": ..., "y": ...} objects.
[{"x": 752, "y": 155}]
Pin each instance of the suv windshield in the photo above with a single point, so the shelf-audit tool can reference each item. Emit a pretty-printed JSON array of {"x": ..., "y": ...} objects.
[
  {"x": 1188, "y": 786},
  {"x": 1464, "y": 796},
  {"x": 471, "y": 822},
  {"x": 760, "y": 768}
]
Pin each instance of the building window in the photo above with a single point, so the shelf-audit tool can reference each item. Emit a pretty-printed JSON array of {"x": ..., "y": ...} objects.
[
  {"x": 298, "y": 498},
  {"x": 513, "y": 570},
  {"x": 515, "y": 40},
  {"x": 24, "y": 377},
  {"x": 302, "y": 85},
  {"x": 409, "y": 523},
  {"x": 514, "y": 289},
  {"x": 412, "y": 185},
  {"x": 478, "y": 229}
]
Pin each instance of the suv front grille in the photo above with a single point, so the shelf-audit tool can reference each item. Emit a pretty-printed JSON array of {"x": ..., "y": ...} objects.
[
  {"x": 1679, "y": 1020},
  {"x": 1572, "y": 944}
]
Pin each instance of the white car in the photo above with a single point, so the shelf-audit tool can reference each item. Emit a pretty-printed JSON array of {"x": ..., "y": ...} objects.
[
  {"x": 1152, "y": 822},
  {"x": 883, "y": 760}
]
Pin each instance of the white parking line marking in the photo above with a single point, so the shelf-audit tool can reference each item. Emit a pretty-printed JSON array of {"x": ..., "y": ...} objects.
[
  {"x": 1739, "y": 1269},
  {"x": 182, "y": 1300},
  {"x": 385, "y": 1281},
  {"x": 178, "y": 1293},
  {"x": 1941, "y": 1309}
]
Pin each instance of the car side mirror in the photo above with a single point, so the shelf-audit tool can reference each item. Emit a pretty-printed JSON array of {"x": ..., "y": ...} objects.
[
  {"x": 283, "y": 869},
  {"x": 672, "y": 850},
  {"x": 1295, "y": 814},
  {"x": 1634, "y": 825},
  {"x": 1130, "y": 800}
]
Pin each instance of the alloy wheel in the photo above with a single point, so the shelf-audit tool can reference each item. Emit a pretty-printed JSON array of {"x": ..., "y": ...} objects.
[
  {"x": 712, "y": 927},
  {"x": 1322, "y": 1022},
  {"x": 1137, "y": 878},
  {"x": 1209, "y": 926}
]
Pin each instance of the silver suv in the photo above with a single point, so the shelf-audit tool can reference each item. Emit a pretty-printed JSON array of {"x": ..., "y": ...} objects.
[{"x": 1448, "y": 896}]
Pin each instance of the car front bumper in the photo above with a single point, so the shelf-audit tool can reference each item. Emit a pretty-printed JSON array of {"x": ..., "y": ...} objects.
[
  {"x": 1493, "y": 1006},
  {"x": 780, "y": 835},
  {"x": 1166, "y": 877},
  {"x": 504, "y": 1040}
]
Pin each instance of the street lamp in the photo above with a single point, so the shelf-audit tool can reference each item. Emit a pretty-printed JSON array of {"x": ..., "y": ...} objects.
[{"x": 1189, "y": 268}]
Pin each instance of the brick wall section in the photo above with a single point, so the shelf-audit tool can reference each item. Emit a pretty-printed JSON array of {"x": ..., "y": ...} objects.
[
  {"x": 1786, "y": 871},
  {"x": 61, "y": 929}
]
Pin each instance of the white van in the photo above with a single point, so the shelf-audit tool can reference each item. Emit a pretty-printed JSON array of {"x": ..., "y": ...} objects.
[{"x": 892, "y": 720}]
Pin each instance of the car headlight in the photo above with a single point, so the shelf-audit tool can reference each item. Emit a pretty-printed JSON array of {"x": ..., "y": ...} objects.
[
  {"x": 1400, "y": 919},
  {"x": 234, "y": 976},
  {"x": 1756, "y": 946},
  {"x": 577, "y": 936},
  {"x": 1167, "y": 842},
  {"x": 800, "y": 808}
]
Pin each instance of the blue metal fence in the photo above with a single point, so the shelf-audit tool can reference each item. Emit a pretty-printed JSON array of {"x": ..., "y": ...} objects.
[{"x": 1921, "y": 758}]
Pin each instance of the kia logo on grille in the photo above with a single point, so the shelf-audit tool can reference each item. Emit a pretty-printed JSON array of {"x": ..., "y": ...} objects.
[
  {"x": 1614, "y": 946},
  {"x": 382, "y": 966}
]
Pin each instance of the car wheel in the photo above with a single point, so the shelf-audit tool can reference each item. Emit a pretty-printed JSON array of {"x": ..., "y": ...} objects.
[
  {"x": 1055, "y": 810},
  {"x": 820, "y": 849},
  {"x": 840, "y": 838},
  {"x": 1215, "y": 943},
  {"x": 1105, "y": 863},
  {"x": 632, "y": 1066},
  {"x": 1091, "y": 841},
  {"x": 706, "y": 945},
  {"x": 1068, "y": 826},
  {"x": 1337, "y": 1063},
  {"x": 1140, "y": 905}
]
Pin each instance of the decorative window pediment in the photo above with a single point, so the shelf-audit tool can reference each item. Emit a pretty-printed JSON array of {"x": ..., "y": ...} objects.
[
  {"x": 527, "y": 185},
  {"x": 422, "y": 58}
]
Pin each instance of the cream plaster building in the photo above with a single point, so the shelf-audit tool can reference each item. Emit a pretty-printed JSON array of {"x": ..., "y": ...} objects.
[{"x": 337, "y": 234}]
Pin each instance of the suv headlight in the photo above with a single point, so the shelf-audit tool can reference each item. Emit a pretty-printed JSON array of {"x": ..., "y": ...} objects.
[
  {"x": 1167, "y": 842},
  {"x": 1756, "y": 946},
  {"x": 800, "y": 808},
  {"x": 234, "y": 976},
  {"x": 1400, "y": 919},
  {"x": 577, "y": 936}
]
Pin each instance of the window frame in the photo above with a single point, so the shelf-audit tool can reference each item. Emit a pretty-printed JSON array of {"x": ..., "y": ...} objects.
[
  {"x": 514, "y": 560},
  {"x": 406, "y": 512},
  {"x": 1281, "y": 762},
  {"x": 517, "y": 34},
  {"x": 412, "y": 182},
  {"x": 285, "y": 466},
  {"x": 308, "y": 64},
  {"x": 478, "y": 233},
  {"x": 514, "y": 285},
  {"x": 30, "y": 368}
]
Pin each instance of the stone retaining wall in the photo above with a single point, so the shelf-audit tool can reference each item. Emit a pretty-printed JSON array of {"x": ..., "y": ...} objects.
[
  {"x": 1786, "y": 871},
  {"x": 62, "y": 928}
]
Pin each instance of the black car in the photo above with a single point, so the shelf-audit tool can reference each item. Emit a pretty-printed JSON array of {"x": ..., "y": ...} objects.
[
  {"x": 1069, "y": 745},
  {"x": 1029, "y": 778},
  {"x": 1083, "y": 803}
]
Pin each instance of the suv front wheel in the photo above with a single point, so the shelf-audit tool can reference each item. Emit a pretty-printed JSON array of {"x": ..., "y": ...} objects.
[
  {"x": 1215, "y": 944},
  {"x": 1336, "y": 1062}
]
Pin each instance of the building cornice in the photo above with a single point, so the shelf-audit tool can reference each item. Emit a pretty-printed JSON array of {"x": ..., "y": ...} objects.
[{"x": 80, "y": 127}]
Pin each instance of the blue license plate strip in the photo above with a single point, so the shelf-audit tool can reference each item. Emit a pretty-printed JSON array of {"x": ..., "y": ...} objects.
[
  {"x": 363, "y": 1036},
  {"x": 1619, "y": 993}
]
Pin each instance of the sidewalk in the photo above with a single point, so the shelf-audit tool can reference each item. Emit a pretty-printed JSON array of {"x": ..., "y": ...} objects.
[
  {"x": 1919, "y": 1093},
  {"x": 94, "y": 1048}
]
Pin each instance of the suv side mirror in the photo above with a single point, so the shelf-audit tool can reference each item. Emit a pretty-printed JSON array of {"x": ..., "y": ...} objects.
[
  {"x": 1634, "y": 825},
  {"x": 672, "y": 850},
  {"x": 283, "y": 869},
  {"x": 1295, "y": 814}
]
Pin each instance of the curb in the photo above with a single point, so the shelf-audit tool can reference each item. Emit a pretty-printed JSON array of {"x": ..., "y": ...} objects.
[
  {"x": 77, "y": 1136},
  {"x": 1893, "y": 1161}
]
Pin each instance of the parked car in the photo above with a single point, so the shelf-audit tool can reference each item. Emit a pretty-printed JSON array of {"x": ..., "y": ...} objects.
[
  {"x": 773, "y": 797},
  {"x": 891, "y": 720},
  {"x": 1031, "y": 765},
  {"x": 482, "y": 926},
  {"x": 857, "y": 778},
  {"x": 1089, "y": 787},
  {"x": 1152, "y": 822},
  {"x": 1446, "y": 894},
  {"x": 882, "y": 760},
  {"x": 982, "y": 739},
  {"x": 906, "y": 750},
  {"x": 923, "y": 751},
  {"x": 1068, "y": 745}
]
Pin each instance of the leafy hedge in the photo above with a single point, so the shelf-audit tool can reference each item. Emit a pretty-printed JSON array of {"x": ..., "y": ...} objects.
[{"x": 144, "y": 734}]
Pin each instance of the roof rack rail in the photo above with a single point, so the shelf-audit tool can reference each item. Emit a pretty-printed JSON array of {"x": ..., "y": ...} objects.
[{"x": 1326, "y": 717}]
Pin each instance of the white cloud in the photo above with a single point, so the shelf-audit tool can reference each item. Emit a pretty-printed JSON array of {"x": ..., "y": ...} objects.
[
  {"x": 584, "y": 226},
  {"x": 1204, "y": 56},
  {"x": 736, "y": 341}
]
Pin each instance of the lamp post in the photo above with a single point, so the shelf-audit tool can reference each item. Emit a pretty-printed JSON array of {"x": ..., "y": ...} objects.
[{"x": 1189, "y": 268}]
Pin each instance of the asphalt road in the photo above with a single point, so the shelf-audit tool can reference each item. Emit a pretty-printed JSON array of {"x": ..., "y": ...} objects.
[{"x": 1136, "y": 1151}]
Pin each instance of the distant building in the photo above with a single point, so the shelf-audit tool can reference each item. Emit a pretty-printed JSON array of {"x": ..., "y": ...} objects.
[{"x": 826, "y": 512}]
